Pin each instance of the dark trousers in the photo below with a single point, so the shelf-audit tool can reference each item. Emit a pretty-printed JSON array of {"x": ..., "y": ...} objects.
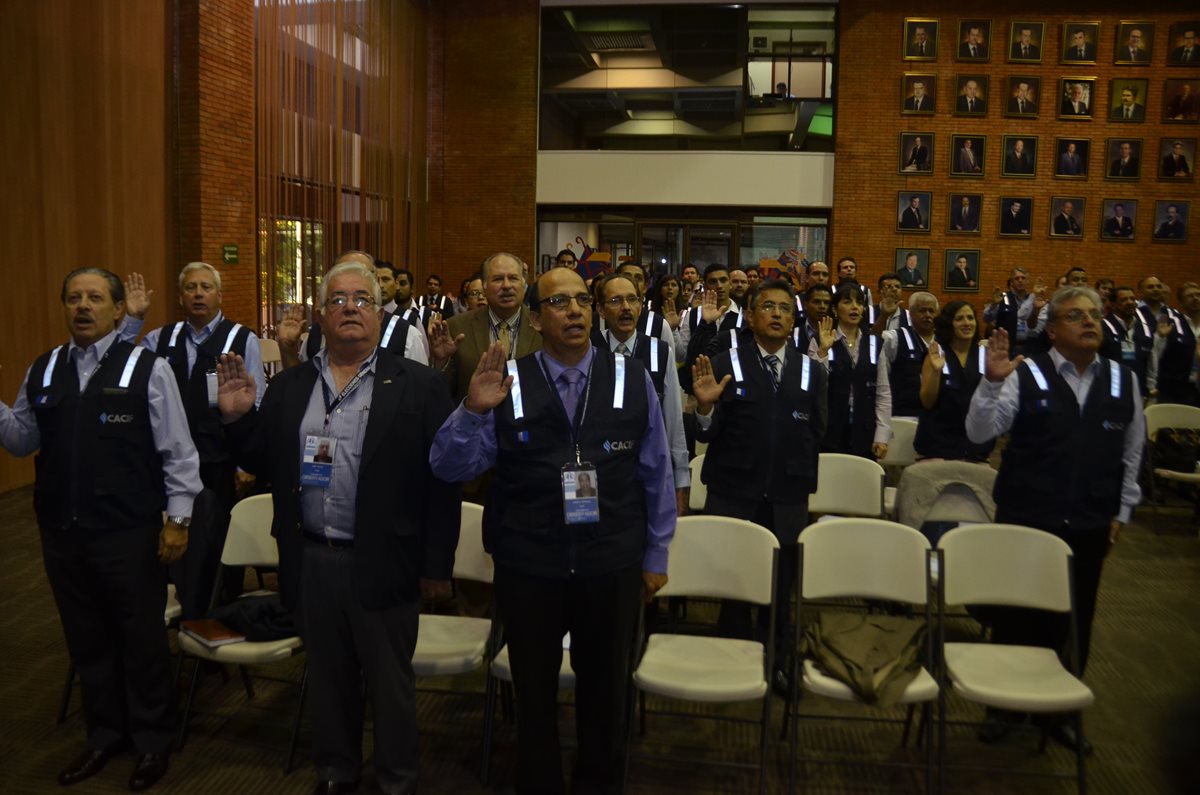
[
  {"x": 1022, "y": 626},
  {"x": 111, "y": 592},
  {"x": 600, "y": 612},
  {"x": 786, "y": 522},
  {"x": 196, "y": 571},
  {"x": 347, "y": 644}
]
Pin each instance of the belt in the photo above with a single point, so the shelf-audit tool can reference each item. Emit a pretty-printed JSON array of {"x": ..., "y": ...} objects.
[{"x": 326, "y": 541}]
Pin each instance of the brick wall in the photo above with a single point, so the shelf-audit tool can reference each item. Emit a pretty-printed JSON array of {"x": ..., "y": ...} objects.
[
  {"x": 869, "y": 123},
  {"x": 483, "y": 134},
  {"x": 214, "y": 140}
]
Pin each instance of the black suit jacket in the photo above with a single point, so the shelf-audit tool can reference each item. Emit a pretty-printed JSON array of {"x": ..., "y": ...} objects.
[
  {"x": 957, "y": 278},
  {"x": 968, "y": 224},
  {"x": 964, "y": 51},
  {"x": 909, "y": 219},
  {"x": 1118, "y": 227},
  {"x": 1013, "y": 107},
  {"x": 1072, "y": 53},
  {"x": 1015, "y": 165},
  {"x": 1034, "y": 53},
  {"x": 1131, "y": 169},
  {"x": 406, "y": 520},
  {"x": 1068, "y": 109},
  {"x": 1014, "y": 226},
  {"x": 1137, "y": 114},
  {"x": 960, "y": 105},
  {"x": 1169, "y": 167},
  {"x": 927, "y": 104},
  {"x": 1177, "y": 55}
]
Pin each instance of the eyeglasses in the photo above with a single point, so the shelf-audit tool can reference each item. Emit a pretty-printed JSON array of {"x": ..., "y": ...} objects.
[
  {"x": 561, "y": 302},
  {"x": 622, "y": 300},
  {"x": 768, "y": 307},
  {"x": 339, "y": 300},
  {"x": 1077, "y": 315},
  {"x": 475, "y": 294},
  {"x": 569, "y": 263}
]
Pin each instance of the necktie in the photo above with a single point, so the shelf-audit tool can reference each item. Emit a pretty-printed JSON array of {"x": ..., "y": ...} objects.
[
  {"x": 1024, "y": 51},
  {"x": 1020, "y": 106},
  {"x": 918, "y": 214},
  {"x": 1081, "y": 53},
  {"x": 972, "y": 50},
  {"x": 917, "y": 104},
  {"x": 1128, "y": 111},
  {"x": 923, "y": 49},
  {"x": 964, "y": 213},
  {"x": 568, "y": 390},
  {"x": 1187, "y": 54},
  {"x": 623, "y": 349},
  {"x": 772, "y": 362},
  {"x": 503, "y": 335},
  {"x": 970, "y": 105}
]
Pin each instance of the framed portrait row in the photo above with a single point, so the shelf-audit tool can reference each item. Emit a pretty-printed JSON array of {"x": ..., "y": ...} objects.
[
  {"x": 1066, "y": 217},
  {"x": 1122, "y": 158},
  {"x": 959, "y": 273},
  {"x": 1071, "y": 98},
  {"x": 1028, "y": 41}
]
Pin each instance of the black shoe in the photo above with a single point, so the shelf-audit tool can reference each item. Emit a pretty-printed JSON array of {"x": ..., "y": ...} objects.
[
  {"x": 335, "y": 787},
  {"x": 1064, "y": 734},
  {"x": 89, "y": 763},
  {"x": 781, "y": 683},
  {"x": 148, "y": 770}
]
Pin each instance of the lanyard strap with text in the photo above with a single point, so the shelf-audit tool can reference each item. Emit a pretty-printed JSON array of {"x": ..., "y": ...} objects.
[
  {"x": 347, "y": 390},
  {"x": 574, "y": 424}
]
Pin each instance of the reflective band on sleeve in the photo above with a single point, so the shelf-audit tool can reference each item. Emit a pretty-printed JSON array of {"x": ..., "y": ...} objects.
[
  {"x": 653, "y": 355},
  {"x": 127, "y": 374},
  {"x": 805, "y": 364},
  {"x": 737, "y": 365},
  {"x": 874, "y": 352},
  {"x": 1037, "y": 375},
  {"x": 732, "y": 338},
  {"x": 946, "y": 366},
  {"x": 619, "y": 386},
  {"x": 175, "y": 334},
  {"x": 233, "y": 332},
  {"x": 908, "y": 339},
  {"x": 49, "y": 374},
  {"x": 1111, "y": 327},
  {"x": 650, "y": 323},
  {"x": 515, "y": 392},
  {"x": 982, "y": 360},
  {"x": 1114, "y": 379},
  {"x": 830, "y": 353},
  {"x": 387, "y": 335}
]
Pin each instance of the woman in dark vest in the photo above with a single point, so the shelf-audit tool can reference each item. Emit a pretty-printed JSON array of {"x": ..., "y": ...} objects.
[
  {"x": 952, "y": 369},
  {"x": 860, "y": 399}
]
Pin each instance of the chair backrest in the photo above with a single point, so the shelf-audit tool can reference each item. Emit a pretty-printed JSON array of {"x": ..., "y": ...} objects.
[
  {"x": 900, "y": 449},
  {"x": 471, "y": 561},
  {"x": 719, "y": 557},
  {"x": 869, "y": 558},
  {"x": 270, "y": 351},
  {"x": 249, "y": 542},
  {"x": 847, "y": 484},
  {"x": 699, "y": 492},
  {"x": 1170, "y": 415},
  {"x": 1005, "y": 564}
]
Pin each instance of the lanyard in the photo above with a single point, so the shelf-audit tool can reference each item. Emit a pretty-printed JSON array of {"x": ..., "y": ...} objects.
[
  {"x": 347, "y": 390},
  {"x": 573, "y": 424},
  {"x": 514, "y": 325}
]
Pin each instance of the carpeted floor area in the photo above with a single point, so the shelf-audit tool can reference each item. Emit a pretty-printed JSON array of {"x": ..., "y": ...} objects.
[{"x": 1145, "y": 668}]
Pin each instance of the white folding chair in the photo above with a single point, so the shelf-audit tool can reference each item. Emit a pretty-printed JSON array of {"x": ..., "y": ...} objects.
[
  {"x": 723, "y": 558},
  {"x": 699, "y": 492},
  {"x": 867, "y": 559},
  {"x": 1012, "y": 566},
  {"x": 271, "y": 358},
  {"x": 1167, "y": 415},
  {"x": 899, "y": 455},
  {"x": 847, "y": 485},
  {"x": 249, "y": 543}
]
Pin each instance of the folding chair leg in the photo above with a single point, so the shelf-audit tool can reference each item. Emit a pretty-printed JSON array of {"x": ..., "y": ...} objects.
[
  {"x": 489, "y": 717},
  {"x": 642, "y": 717},
  {"x": 246, "y": 683},
  {"x": 908, "y": 716},
  {"x": 287, "y": 768},
  {"x": 762, "y": 743},
  {"x": 66, "y": 696},
  {"x": 187, "y": 706},
  {"x": 1080, "y": 763}
]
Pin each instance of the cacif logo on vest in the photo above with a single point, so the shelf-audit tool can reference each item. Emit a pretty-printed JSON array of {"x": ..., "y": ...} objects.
[
  {"x": 119, "y": 419},
  {"x": 616, "y": 447}
]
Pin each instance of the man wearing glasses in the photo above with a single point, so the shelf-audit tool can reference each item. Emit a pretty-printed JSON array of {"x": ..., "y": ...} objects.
[
  {"x": 761, "y": 406},
  {"x": 1070, "y": 468},
  {"x": 566, "y": 562},
  {"x": 362, "y": 538}
]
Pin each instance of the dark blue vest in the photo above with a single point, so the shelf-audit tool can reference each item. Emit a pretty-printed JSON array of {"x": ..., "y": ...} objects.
[
  {"x": 942, "y": 431},
  {"x": 852, "y": 434},
  {"x": 905, "y": 373}
]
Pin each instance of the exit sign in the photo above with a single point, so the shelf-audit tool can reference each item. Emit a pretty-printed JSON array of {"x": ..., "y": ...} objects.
[{"x": 229, "y": 254}]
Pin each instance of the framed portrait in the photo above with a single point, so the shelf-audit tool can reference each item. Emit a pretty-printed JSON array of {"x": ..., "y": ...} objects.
[
  {"x": 1117, "y": 219},
  {"x": 962, "y": 270},
  {"x": 1079, "y": 41},
  {"x": 1020, "y": 156},
  {"x": 915, "y": 153},
  {"x": 1066, "y": 216},
  {"x": 920, "y": 93},
  {"x": 967, "y": 155},
  {"x": 1124, "y": 159},
  {"x": 974, "y": 40},
  {"x": 1022, "y": 95},
  {"x": 971, "y": 95},
  {"x": 1127, "y": 99},
  {"x": 1183, "y": 39},
  {"x": 1170, "y": 222},
  {"x": 1075, "y": 98},
  {"x": 1177, "y": 159},
  {"x": 1072, "y": 157},
  {"x": 920, "y": 39},
  {"x": 1181, "y": 102},
  {"x": 963, "y": 213},
  {"x": 912, "y": 211},
  {"x": 912, "y": 266},
  {"x": 1135, "y": 42},
  {"x": 1025, "y": 41},
  {"x": 1016, "y": 214}
]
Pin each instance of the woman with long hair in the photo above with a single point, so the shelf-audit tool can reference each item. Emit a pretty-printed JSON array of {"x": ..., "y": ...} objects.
[
  {"x": 860, "y": 398},
  {"x": 952, "y": 369},
  {"x": 668, "y": 299}
]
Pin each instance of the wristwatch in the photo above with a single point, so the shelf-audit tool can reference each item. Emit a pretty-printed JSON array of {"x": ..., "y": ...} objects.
[{"x": 182, "y": 521}]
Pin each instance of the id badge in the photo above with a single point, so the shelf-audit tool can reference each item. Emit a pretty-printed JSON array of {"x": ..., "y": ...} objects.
[
  {"x": 316, "y": 465},
  {"x": 581, "y": 496},
  {"x": 1022, "y": 328},
  {"x": 210, "y": 378},
  {"x": 1128, "y": 350}
]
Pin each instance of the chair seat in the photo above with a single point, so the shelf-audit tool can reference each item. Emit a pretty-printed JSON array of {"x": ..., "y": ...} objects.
[
  {"x": 889, "y": 501},
  {"x": 174, "y": 609},
  {"x": 1019, "y": 678},
  {"x": 243, "y": 653},
  {"x": 693, "y": 668},
  {"x": 502, "y": 669},
  {"x": 450, "y": 645},
  {"x": 922, "y": 688},
  {"x": 1181, "y": 477}
]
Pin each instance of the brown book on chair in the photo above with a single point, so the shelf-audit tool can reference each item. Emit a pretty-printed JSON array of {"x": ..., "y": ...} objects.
[{"x": 210, "y": 632}]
